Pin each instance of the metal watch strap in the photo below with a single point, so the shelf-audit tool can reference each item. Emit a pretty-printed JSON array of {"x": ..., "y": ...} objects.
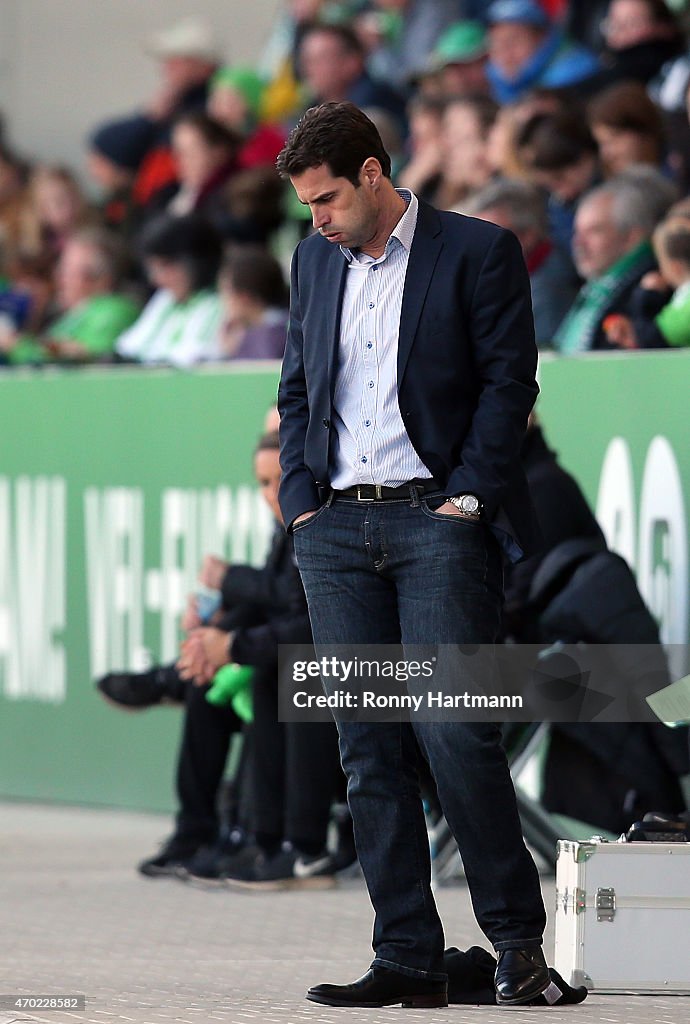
[{"x": 457, "y": 500}]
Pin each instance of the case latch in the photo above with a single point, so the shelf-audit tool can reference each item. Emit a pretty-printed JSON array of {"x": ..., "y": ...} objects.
[
  {"x": 575, "y": 901},
  {"x": 605, "y": 904}
]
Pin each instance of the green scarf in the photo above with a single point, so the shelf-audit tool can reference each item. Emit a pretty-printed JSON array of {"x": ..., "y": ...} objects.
[{"x": 578, "y": 330}]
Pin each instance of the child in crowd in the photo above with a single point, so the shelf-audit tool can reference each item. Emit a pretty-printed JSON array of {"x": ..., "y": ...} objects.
[{"x": 650, "y": 326}]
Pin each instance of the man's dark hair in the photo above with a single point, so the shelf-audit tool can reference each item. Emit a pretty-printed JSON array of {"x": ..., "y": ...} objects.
[
  {"x": 550, "y": 142},
  {"x": 255, "y": 272},
  {"x": 191, "y": 241},
  {"x": 339, "y": 135}
]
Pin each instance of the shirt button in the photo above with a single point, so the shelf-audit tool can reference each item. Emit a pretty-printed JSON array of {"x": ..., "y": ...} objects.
[
  {"x": 371, "y": 383},
  {"x": 375, "y": 266},
  {"x": 367, "y": 423},
  {"x": 371, "y": 305},
  {"x": 369, "y": 344},
  {"x": 364, "y": 458}
]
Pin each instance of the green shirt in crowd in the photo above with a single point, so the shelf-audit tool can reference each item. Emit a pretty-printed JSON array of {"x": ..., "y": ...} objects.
[
  {"x": 674, "y": 319},
  {"x": 95, "y": 323}
]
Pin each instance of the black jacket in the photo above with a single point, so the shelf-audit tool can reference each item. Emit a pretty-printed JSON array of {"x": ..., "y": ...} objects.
[
  {"x": 465, "y": 370},
  {"x": 607, "y": 774},
  {"x": 562, "y": 513},
  {"x": 645, "y": 305},
  {"x": 265, "y": 607}
]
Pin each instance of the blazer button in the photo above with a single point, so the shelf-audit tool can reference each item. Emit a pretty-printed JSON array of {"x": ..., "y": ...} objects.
[{"x": 326, "y": 423}]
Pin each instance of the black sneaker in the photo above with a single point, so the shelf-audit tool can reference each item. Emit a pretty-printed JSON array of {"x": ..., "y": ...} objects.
[
  {"x": 174, "y": 855},
  {"x": 138, "y": 690},
  {"x": 287, "y": 869},
  {"x": 241, "y": 866},
  {"x": 210, "y": 863}
]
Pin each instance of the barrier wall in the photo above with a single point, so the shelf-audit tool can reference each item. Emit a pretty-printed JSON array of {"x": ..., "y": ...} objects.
[
  {"x": 114, "y": 483},
  {"x": 620, "y": 425}
]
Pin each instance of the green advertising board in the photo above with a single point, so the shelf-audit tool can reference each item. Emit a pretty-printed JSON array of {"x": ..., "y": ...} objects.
[
  {"x": 114, "y": 483},
  {"x": 619, "y": 423}
]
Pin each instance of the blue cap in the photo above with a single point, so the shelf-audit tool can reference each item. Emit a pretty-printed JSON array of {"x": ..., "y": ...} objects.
[
  {"x": 527, "y": 12},
  {"x": 124, "y": 142}
]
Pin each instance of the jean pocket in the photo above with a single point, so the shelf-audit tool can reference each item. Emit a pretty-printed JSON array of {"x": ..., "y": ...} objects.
[
  {"x": 449, "y": 517},
  {"x": 308, "y": 521}
]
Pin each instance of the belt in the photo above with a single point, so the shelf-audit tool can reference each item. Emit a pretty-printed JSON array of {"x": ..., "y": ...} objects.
[{"x": 377, "y": 492}]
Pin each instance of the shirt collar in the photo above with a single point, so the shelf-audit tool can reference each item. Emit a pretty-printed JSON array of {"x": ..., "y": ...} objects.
[
  {"x": 404, "y": 229},
  {"x": 403, "y": 232}
]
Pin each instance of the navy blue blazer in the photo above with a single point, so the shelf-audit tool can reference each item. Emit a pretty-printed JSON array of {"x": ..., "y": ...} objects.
[{"x": 466, "y": 368}]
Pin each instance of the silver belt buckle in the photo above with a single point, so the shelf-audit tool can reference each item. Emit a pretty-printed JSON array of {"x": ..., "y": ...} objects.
[{"x": 376, "y": 498}]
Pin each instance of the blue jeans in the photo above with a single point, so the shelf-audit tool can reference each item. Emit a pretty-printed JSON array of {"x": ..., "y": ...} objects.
[{"x": 392, "y": 572}]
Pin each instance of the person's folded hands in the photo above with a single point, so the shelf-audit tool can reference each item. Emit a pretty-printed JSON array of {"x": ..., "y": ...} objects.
[{"x": 203, "y": 653}]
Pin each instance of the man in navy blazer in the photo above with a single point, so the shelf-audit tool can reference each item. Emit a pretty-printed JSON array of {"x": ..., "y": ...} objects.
[{"x": 408, "y": 377}]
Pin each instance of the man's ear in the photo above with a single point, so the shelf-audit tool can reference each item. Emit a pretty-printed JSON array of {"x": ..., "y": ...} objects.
[{"x": 371, "y": 172}]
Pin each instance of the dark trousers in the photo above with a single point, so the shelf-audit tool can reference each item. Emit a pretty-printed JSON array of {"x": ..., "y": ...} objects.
[
  {"x": 392, "y": 572},
  {"x": 294, "y": 773},
  {"x": 297, "y": 773},
  {"x": 206, "y": 734}
]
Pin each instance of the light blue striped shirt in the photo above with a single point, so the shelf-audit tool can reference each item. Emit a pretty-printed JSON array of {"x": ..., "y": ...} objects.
[{"x": 370, "y": 443}]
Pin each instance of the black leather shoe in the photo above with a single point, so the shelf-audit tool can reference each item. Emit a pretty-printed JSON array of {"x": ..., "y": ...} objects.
[
  {"x": 135, "y": 691},
  {"x": 521, "y": 975},
  {"x": 381, "y": 987}
]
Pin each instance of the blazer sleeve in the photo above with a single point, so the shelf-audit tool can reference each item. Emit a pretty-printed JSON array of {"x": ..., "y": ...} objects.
[
  {"x": 298, "y": 490},
  {"x": 258, "y": 643},
  {"x": 505, "y": 359},
  {"x": 243, "y": 584}
]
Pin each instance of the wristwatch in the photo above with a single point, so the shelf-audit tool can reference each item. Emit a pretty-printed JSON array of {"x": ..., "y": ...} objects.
[{"x": 468, "y": 504}]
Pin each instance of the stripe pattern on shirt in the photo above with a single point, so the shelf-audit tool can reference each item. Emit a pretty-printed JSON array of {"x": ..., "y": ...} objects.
[{"x": 370, "y": 444}]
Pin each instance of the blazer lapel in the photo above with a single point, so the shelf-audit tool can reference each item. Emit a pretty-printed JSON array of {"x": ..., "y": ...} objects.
[
  {"x": 426, "y": 247},
  {"x": 333, "y": 285}
]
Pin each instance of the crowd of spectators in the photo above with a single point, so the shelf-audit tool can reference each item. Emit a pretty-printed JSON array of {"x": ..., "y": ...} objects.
[{"x": 567, "y": 123}]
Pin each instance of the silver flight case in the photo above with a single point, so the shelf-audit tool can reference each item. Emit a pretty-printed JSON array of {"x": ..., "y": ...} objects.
[{"x": 623, "y": 916}]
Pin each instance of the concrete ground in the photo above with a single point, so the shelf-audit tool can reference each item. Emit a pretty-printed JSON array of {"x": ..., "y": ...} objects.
[{"x": 75, "y": 917}]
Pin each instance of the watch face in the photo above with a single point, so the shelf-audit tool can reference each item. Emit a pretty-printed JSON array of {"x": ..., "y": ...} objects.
[{"x": 469, "y": 503}]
